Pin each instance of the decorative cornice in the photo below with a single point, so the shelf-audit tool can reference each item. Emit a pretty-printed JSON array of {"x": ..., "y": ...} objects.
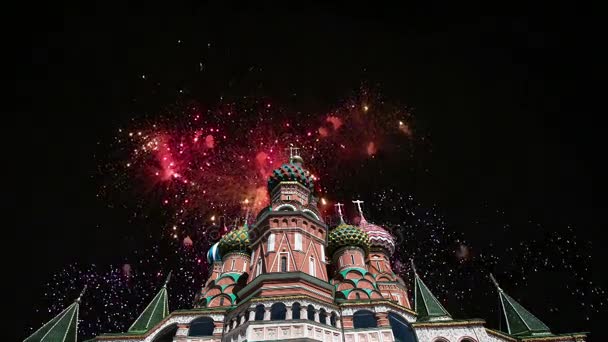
[
  {"x": 284, "y": 276},
  {"x": 451, "y": 323},
  {"x": 271, "y": 213},
  {"x": 367, "y": 302},
  {"x": 236, "y": 253},
  {"x": 500, "y": 334},
  {"x": 276, "y": 187}
]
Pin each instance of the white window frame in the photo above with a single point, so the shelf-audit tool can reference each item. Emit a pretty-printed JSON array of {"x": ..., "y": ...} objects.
[
  {"x": 298, "y": 242},
  {"x": 258, "y": 271},
  {"x": 286, "y": 255},
  {"x": 271, "y": 240}
]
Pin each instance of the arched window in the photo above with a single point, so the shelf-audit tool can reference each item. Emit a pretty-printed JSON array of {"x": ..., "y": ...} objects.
[
  {"x": 221, "y": 301},
  {"x": 364, "y": 319},
  {"x": 352, "y": 258},
  {"x": 277, "y": 312},
  {"x": 466, "y": 339},
  {"x": 202, "y": 326},
  {"x": 232, "y": 265},
  {"x": 402, "y": 330},
  {"x": 311, "y": 313},
  {"x": 167, "y": 334},
  {"x": 323, "y": 316},
  {"x": 332, "y": 319},
  {"x": 259, "y": 312},
  {"x": 295, "y": 310},
  {"x": 358, "y": 295},
  {"x": 378, "y": 266},
  {"x": 311, "y": 266},
  {"x": 284, "y": 263}
]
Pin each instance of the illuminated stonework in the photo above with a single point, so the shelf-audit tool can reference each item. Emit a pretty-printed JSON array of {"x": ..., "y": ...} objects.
[{"x": 288, "y": 276}]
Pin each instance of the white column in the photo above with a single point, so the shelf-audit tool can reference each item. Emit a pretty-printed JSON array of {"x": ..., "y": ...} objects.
[
  {"x": 267, "y": 314},
  {"x": 317, "y": 316},
  {"x": 338, "y": 322},
  {"x": 243, "y": 319},
  {"x": 288, "y": 315},
  {"x": 303, "y": 312},
  {"x": 252, "y": 315}
]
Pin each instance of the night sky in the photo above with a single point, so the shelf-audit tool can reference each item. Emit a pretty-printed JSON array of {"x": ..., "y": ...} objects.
[{"x": 495, "y": 157}]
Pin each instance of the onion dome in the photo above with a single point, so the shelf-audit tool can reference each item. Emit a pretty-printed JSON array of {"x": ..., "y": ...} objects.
[
  {"x": 379, "y": 238},
  {"x": 291, "y": 172},
  {"x": 345, "y": 235},
  {"x": 213, "y": 255},
  {"x": 236, "y": 240}
]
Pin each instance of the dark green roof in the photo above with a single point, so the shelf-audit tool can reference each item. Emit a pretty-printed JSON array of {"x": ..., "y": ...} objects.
[
  {"x": 520, "y": 322},
  {"x": 155, "y": 312},
  {"x": 62, "y": 328},
  {"x": 425, "y": 304}
]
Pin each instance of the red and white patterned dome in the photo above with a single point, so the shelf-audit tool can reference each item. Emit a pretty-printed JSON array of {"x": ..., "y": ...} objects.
[{"x": 379, "y": 238}]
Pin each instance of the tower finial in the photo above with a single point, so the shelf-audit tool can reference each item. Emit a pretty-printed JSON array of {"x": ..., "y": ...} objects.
[
  {"x": 413, "y": 266},
  {"x": 81, "y": 294},
  {"x": 294, "y": 154},
  {"x": 247, "y": 211},
  {"x": 339, "y": 209},
  {"x": 358, "y": 203},
  {"x": 495, "y": 282},
  {"x": 168, "y": 278}
]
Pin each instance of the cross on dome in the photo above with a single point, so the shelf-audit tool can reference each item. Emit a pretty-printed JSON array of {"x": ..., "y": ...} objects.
[
  {"x": 339, "y": 209},
  {"x": 358, "y": 203}
]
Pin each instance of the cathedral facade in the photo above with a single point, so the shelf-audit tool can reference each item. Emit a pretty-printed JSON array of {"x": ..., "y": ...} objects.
[{"x": 289, "y": 276}]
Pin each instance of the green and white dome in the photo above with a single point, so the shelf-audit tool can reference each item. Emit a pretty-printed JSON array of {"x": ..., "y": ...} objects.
[{"x": 346, "y": 235}]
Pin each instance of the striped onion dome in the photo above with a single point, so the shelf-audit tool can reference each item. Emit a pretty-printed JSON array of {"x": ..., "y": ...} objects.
[
  {"x": 213, "y": 255},
  {"x": 379, "y": 237}
]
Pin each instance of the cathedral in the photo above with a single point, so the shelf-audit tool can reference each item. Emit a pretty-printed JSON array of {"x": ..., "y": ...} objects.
[{"x": 290, "y": 276}]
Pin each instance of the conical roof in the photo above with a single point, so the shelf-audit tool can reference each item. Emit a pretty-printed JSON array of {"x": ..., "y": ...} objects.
[
  {"x": 62, "y": 328},
  {"x": 519, "y": 320},
  {"x": 427, "y": 306},
  {"x": 155, "y": 312}
]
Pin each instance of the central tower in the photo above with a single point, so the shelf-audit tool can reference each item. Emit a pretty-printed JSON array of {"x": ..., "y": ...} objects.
[{"x": 288, "y": 239}]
